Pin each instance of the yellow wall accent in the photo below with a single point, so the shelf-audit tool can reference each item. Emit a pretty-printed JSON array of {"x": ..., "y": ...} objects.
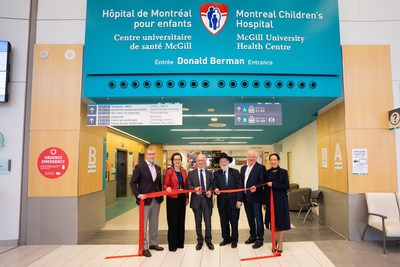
[
  {"x": 368, "y": 98},
  {"x": 361, "y": 122},
  {"x": 55, "y": 117},
  {"x": 159, "y": 155},
  {"x": 368, "y": 86},
  {"x": 330, "y": 131},
  {"x": 56, "y": 89},
  {"x": 90, "y": 182},
  {"x": 115, "y": 141},
  {"x": 67, "y": 184},
  {"x": 58, "y": 119},
  {"x": 382, "y": 171}
]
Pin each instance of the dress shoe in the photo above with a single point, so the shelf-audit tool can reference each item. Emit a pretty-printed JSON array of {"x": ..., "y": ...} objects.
[
  {"x": 234, "y": 245},
  {"x": 146, "y": 253},
  {"x": 276, "y": 248},
  {"x": 223, "y": 243},
  {"x": 156, "y": 247},
  {"x": 199, "y": 246},
  {"x": 210, "y": 246},
  {"x": 172, "y": 250},
  {"x": 250, "y": 240},
  {"x": 257, "y": 245}
]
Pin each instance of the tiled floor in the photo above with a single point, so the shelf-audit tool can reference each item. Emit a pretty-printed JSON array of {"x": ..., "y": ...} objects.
[
  {"x": 120, "y": 206},
  {"x": 318, "y": 253},
  {"x": 295, "y": 254},
  {"x": 311, "y": 244}
]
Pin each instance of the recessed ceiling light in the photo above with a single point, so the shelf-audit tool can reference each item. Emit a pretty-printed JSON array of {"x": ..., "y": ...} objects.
[
  {"x": 216, "y": 130},
  {"x": 217, "y": 124},
  {"x": 214, "y": 119},
  {"x": 217, "y": 143},
  {"x": 125, "y": 133},
  {"x": 210, "y": 137},
  {"x": 211, "y": 109},
  {"x": 218, "y": 140},
  {"x": 185, "y": 109}
]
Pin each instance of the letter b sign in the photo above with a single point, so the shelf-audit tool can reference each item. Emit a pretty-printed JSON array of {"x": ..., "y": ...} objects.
[
  {"x": 92, "y": 155},
  {"x": 92, "y": 159}
]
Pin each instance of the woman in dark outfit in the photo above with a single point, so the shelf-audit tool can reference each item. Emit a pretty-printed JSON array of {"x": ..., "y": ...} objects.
[
  {"x": 175, "y": 179},
  {"x": 277, "y": 178}
]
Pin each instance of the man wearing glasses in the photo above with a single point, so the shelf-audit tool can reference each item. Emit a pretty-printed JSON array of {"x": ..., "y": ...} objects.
[{"x": 200, "y": 179}]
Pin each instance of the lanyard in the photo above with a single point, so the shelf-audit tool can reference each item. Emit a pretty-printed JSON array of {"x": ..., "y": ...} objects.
[{"x": 180, "y": 175}]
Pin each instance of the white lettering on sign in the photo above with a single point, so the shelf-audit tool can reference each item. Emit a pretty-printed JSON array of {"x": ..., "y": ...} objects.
[
  {"x": 338, "y": 155},
  {"x": 140, "y": 114},
  {"x": 338, "y": 158},
  {"x": 92, "y": 160}
]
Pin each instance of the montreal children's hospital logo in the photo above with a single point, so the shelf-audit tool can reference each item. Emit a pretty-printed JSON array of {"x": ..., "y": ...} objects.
[{"x": 214, "y": 16}]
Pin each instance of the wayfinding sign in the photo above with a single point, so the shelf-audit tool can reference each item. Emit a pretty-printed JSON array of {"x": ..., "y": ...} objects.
[
  {"x": 394, "y": 119},
  {"x": 129, "y": 115},
  {"x": 52, "y": 163},
  {"x": 258, "y": 114}
]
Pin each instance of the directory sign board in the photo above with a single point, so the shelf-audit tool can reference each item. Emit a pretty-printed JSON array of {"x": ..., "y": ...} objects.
[
  {"x": 258, "y": 37},
  {"x": 258, "y": 114},
  {"x": 140, "y": 114}
]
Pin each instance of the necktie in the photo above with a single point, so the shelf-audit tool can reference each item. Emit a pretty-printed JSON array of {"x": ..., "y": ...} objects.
[
  {"x": 226, "y": 180},
  {"x": 203, "y": 185},
  {"x": 226, "y": 184}
]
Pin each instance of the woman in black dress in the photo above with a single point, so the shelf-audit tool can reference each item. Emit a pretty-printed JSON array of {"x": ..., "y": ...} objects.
[
  {"x": 176, "y": 178},
  {"x": 278, "y": 179}
]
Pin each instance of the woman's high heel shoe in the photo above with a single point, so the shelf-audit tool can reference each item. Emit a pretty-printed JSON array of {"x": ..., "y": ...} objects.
[{"x": 277, "y": 250}]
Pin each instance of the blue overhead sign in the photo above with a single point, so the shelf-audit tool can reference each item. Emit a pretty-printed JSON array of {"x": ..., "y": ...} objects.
[
  {"x": 134, "y": 115},
  {"x": 258, "y": 114},
  {"x": 252, "y": 37}
]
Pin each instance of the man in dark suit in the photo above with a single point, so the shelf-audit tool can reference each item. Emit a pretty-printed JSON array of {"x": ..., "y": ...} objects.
[
  {"x": 201, "y": 202},
  {"x": 146, "y": 178},
  {"x": 253, "y": 175},
  {"x": 228, "y": 203}
]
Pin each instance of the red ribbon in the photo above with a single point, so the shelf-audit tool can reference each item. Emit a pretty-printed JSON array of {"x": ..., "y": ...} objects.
[
  {"x": 164, "y": 193},
  {"x": 276, "y": 254}
]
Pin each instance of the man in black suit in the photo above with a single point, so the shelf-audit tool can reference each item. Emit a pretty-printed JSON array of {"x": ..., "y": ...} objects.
[
  {"x": 201, "y": 202},
  {"x": 228, "y": 203},
  {"x": 146, "y": 178},
  {"x": 253, "y": 175}
]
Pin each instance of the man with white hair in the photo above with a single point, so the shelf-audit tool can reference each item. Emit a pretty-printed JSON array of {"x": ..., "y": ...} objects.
[
  {"x": 200, "y": 179},
  {"x": 253, "y": 175}
]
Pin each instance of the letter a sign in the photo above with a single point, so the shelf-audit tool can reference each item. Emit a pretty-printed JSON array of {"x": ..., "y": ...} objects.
[{"x": 214, "y": 16}]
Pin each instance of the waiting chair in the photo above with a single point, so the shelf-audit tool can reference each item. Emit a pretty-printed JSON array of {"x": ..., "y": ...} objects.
[
  {"x": 292, "y": 186},
  {"x": 383, "y": 215},
  {"x": 310, "y": 205},
  {"x": 296, "y": 196}
]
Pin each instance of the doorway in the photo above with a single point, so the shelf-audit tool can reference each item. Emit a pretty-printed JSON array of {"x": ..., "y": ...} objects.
[
  {"x": 121, "y": 172},
  {"x": 140, "y": 158}
]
